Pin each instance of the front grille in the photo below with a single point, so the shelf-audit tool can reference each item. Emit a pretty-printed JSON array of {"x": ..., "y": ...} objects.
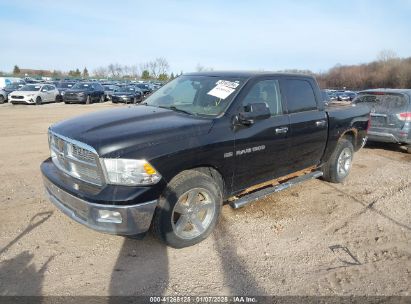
[
  {"x": 76, "y": 159},
  {"x": 17, "y": 97}
]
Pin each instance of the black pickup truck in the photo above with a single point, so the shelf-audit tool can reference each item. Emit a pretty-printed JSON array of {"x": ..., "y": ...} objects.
[{"x": 200, "y": 141}]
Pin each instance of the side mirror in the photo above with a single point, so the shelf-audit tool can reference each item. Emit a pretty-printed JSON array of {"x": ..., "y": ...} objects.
[{"x": 253, "y": 112}]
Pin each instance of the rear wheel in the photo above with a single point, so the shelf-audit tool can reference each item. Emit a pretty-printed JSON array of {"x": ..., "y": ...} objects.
[
  {"x": 38, "y": 100},
  {"x": 339, "y": 165},
  {"x": 188, "y": 209},
  {"x": 2, "y": 99}
]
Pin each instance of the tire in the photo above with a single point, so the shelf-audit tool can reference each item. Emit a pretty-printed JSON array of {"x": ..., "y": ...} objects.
[
  {"x": 2, "y": 99},
  {"x": 88, "y": 99},
  {"x": 179, "y": 223},
  {"x": 338, "y": 167},
  {"x": 38, "y": 100}
]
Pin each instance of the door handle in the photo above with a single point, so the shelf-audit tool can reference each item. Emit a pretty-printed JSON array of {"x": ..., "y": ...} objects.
[
  {"x": 281, "y": 130},
  {"x": 320, "y": 123}
]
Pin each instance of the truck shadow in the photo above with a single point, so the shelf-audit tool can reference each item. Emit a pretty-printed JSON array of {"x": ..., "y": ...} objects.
[
  {"x": 237, "y": 278},
  {"x": 19, "y": 275},
  {"x": 141, "y": 269}
]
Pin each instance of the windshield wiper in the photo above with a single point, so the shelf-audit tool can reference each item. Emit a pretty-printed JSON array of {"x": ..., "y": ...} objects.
[{"x": 176, "y": 109}]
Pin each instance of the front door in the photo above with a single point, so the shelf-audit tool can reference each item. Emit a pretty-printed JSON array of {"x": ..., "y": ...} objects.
[{"x": 261, "y": 149}]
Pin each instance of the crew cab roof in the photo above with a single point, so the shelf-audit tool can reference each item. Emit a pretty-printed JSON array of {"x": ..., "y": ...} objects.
[{"x": 246, "y": 74}]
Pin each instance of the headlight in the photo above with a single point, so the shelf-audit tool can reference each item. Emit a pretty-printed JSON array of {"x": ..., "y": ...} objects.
[{"x": 130, "y": 172}]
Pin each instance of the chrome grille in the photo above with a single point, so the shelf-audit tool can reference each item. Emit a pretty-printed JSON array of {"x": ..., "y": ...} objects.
[{"x": 76, "y": 159}]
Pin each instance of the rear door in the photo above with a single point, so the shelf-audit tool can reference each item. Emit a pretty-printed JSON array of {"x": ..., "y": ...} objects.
[
  {"x": 261, "y": 149},
  {"x": 308, "y": 123}
]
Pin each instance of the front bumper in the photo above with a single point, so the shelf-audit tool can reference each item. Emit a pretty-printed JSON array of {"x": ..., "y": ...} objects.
[
  {"x": 74, "y": 98},
  {"x": 121, "y": 99},
  {"x": 22, "y": 101},
  {"x": 135, "y": 218}
]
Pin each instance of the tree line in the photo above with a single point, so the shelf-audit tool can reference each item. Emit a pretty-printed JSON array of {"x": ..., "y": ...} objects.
[
  {"x": 157, "y": 69},
  {"x": 387, "y": 71}
]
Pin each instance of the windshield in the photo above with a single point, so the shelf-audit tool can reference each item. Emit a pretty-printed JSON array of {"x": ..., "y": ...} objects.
[
  {"x": 197, "y": 95},
  {"x": 382, "y": 102},
  {"x": 142, "y": 86},
  {"x": 110, "y": 87},
  {"x": 65, "y": 85},
  {"x": 126, "y": 89},
  {"x": 30, "y": 87},
  {"x": 82, "y": 86},
  {"x": 13, "y": 86}
]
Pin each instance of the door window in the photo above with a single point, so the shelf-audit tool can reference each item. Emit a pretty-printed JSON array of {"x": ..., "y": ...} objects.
[
  {"x": 268, "y": 92},
  {"x": 300, "y": 95}
]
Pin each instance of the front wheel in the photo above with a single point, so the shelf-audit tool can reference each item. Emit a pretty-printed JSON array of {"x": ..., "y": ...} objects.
[
  {"x": 2, "y": 99},
  {"x": 38, "y": 100},
  {"x": 337, "y": 168},
  {"x": 188, "y": 210}
]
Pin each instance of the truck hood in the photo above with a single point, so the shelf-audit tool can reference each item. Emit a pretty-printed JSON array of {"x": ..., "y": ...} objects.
[{"x": 118, "y": 132}]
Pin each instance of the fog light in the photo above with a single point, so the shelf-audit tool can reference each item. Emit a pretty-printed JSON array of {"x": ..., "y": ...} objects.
[{"x": 107, "y": 216}]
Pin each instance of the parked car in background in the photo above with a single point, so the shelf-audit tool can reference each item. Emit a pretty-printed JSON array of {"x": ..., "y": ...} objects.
[
  {"x": 34, "y": 94},
  {"x": 3, "y": 96},
  {"x": 85, "y": 92},
  {"x": 145, "y": 87},
  {"x": 109, "y": 90},
  {"x": 4, "y": 81},
  {"x": 390, "y": 115},
  {"x": 128, "y": 94},
  {"x": 346, "y": 95},
  {"x": 63, "y": 86},
  {"x": 12, "y": 87}
]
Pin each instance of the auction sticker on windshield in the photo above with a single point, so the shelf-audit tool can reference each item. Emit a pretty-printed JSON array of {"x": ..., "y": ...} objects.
[{"x": 223, "y": 89}]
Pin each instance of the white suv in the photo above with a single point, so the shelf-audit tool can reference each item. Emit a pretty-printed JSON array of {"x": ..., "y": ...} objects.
[{"x": 34, "y": 93}]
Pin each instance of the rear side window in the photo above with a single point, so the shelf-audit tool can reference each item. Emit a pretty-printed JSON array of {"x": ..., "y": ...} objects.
[
  {"x": 383, "y": 103},
  {"x": 300, "y": 95}
]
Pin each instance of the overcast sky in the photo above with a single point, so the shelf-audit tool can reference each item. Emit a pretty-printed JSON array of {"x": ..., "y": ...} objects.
[{"x": 224, "y": 35}]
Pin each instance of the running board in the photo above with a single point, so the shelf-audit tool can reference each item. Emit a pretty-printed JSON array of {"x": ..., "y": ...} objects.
[{"x": 252, "y": 197}]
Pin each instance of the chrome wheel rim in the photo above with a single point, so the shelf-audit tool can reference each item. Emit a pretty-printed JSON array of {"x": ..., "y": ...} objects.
[
  {"x": 193, "y": 213},
  {"x": 344, "y": 162}
]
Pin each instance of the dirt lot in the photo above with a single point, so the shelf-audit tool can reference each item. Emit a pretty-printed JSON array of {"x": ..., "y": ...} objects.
[{"x": 314, "y": 239}]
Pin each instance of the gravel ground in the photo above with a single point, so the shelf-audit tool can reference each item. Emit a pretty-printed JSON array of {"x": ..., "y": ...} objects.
[{"x": 315, "y": 239}]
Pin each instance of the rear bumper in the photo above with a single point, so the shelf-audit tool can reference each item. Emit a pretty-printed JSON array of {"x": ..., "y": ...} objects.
[
  {"x": 131, "y": 219},
  {"x": 389, "y": 136}
]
